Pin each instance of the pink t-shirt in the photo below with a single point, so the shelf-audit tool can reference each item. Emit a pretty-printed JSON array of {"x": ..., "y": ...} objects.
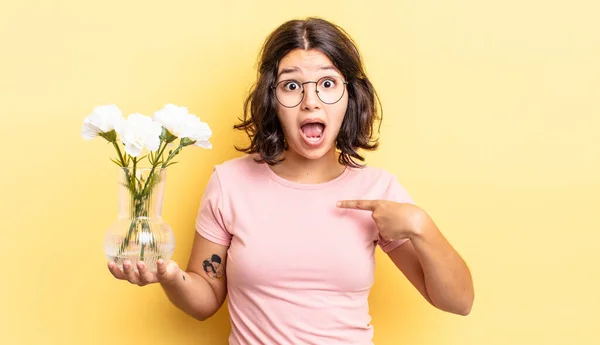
[{"x": 299, "y": 269}]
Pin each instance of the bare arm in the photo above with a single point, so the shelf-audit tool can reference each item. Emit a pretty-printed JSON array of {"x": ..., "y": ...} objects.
[
  {"x": 435, "y": 269},
  {"x": 199, "y": 291}
]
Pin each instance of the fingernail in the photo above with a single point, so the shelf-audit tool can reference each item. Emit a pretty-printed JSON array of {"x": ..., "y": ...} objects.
[{"x": 338, "y": 204}]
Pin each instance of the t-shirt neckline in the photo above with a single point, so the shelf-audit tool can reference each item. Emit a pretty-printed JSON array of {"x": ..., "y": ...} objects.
[{"x": 298, "y": 185}]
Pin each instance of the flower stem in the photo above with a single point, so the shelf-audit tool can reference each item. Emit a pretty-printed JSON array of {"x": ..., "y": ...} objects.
[
  {"x": 172, "y": 155},
  {"x": 120, "y": 154},
  {"x": 154, "y": 164},
  {"x": 139, "y": 209},
  {"x": 142, "y": 252},
  {"x": 127, "y": 238}
]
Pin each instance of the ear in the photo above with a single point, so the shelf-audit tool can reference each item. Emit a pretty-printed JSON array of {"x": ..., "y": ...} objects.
[{"x": 285, "y": 143}]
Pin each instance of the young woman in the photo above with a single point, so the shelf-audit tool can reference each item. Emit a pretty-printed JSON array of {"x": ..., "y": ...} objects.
[{"x": 289, "y": 231}]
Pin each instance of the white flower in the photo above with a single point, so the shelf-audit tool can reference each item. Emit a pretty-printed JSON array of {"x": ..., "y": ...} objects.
[
  {"x": 170, "y": 116},
  {"x": 138, "y": 132},
  {"x": 181, "y": 124},
  {"x": 103, "y": 119},
  {"x": 197, "y": 131}
]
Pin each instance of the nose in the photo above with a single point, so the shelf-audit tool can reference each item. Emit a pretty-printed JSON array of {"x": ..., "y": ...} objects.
[{"x": 310, "y": 101}]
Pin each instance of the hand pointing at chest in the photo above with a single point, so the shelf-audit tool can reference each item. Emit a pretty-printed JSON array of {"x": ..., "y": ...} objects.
[{"x": 394, "y": 220}]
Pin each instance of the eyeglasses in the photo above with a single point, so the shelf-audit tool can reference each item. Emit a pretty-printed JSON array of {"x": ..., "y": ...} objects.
[{"x": 290, "y": 93}]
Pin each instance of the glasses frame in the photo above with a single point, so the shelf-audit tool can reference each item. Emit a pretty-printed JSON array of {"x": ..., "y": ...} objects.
[{"x": 274, "y": 88}]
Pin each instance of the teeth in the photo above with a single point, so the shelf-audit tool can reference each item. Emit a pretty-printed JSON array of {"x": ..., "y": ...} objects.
[{"x": 313, "y": 138}]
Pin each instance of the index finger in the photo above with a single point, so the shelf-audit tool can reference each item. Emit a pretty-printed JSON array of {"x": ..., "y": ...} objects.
[{"x": 358, "y": 204}]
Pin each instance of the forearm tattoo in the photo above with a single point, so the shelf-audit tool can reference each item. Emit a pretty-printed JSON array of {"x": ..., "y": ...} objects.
[{"x": 213, "y": 267}]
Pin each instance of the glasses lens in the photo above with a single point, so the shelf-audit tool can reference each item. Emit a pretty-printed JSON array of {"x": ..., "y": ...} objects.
[
  {"x": 289, "y": 92},
  {"x": 330, "y": 89}
]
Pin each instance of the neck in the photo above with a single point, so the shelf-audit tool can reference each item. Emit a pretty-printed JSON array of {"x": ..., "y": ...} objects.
[{"x": 300, "y": 169}]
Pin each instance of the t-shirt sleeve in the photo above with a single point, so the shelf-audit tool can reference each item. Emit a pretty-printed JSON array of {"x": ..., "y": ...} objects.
[
  {"x": 395, "y": 192},
  {"x": 210, "y": 222}
]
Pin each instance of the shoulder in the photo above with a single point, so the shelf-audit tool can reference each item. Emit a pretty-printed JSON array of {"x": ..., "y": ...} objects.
[
  {"x": 373, "y": 175},
  {"x": 239, "y": 166},
  {"x": 237, "y": 174},
  {"x": 231, "y": 178},
  {"x": 382, "y": 182}
]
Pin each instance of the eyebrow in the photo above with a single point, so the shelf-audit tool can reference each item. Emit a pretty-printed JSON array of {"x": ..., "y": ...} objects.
[{"x": 288, "y": 70}]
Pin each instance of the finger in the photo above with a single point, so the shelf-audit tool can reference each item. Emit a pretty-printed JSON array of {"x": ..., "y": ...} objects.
[
  {"x": 146, "y": 277},
  {"x": 166, "y": 271},
  {"x": 116, "y": 271},
  {"x": 130, "y": 274},
  {"x": 368, "y": 205},
  {"x": 161, "y": 268}
]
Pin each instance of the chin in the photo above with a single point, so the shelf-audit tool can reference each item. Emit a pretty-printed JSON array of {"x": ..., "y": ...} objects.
[{"x": 313, "y": 153}]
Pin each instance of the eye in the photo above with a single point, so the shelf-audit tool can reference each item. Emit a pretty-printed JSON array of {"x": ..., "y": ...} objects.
[
  {"x": 328, "y": 83},
  {"x": 291, "y": 85}
]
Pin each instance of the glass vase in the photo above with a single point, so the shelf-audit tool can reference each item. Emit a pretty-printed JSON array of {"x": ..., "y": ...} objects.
[{"x": 139, "y": 232}]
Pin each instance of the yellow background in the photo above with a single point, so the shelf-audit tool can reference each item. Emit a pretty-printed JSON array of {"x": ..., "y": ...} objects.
[{"x": 492, "y": 122}]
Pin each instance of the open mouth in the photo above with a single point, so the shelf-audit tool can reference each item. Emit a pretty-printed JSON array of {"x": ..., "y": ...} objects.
[{"x": 313, "y": 131}]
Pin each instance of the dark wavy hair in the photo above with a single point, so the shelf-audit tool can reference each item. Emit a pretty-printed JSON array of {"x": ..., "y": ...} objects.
[{"x": 260, "y": 120}]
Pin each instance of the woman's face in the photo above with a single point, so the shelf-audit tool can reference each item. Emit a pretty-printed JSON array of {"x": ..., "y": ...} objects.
[{"x": 310, "y": 127}]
